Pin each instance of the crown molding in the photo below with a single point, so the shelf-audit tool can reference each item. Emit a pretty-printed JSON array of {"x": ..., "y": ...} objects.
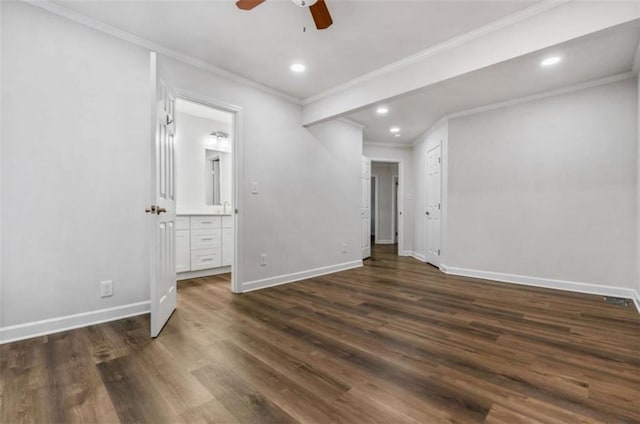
[
  {"x": 387, "y": 145},
  {"x": 158, "y": 48},
  {"x": 350, "y": 122},
  {"x": 526, "y": 99},
  {"x": 508, "y": 20},
  {"x": 421, "y": 137}
]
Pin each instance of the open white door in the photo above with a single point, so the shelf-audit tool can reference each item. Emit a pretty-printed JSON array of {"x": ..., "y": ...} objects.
[
  {"x": 434, "y": 187},
  {"x": 365, "y": 211},
  {"x": 163, "y": 209}
]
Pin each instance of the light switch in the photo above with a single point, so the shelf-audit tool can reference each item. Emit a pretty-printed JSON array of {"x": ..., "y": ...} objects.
[{"x": 254, "y": 188}]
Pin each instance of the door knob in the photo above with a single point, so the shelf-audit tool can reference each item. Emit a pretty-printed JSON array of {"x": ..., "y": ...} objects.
[
  {"x": 427, "y": 212},
  {"x": 161, "y": 210},
  {"x": 151, "y": 209}
]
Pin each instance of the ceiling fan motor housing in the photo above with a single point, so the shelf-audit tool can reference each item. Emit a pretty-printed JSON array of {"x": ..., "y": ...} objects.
[{"x": 304, "y": 3}]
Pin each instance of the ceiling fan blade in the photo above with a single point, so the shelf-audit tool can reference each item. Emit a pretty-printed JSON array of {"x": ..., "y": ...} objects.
[
  {"x": 321, "y": 15},
  {"x": 248, "y": 4}
]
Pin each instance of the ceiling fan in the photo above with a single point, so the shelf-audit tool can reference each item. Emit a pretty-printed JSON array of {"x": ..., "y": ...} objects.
[{"x": 318, "y": 8}]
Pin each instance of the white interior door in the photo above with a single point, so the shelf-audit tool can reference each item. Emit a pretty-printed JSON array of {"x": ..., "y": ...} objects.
[
  {"x": 365, "y": 211},
  {"x": 163, "y": 210},
  {"x": 434, "y": 206}
]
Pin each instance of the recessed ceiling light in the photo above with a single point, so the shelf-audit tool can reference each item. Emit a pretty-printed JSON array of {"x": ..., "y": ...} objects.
[
  {"x": 382, "y": 110},
  {"x": 394, "y": 130},
  {"x": 298, "y": 68},
  {"x": 550, "y": 61}
]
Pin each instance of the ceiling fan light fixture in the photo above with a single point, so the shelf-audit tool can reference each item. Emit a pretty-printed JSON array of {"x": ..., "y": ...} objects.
[{"x": 304, "y": 3}]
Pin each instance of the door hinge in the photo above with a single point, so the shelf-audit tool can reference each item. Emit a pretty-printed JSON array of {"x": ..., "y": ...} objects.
[
  {"x": 438, "y": 206},
  {"x": 439, "y": 160},
  {"x": 438, "y": 252}
]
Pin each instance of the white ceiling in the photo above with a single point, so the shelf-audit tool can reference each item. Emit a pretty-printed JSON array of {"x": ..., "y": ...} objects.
[
  {"x": 588, "y": 58},
  {"x": 262, "y": 43}
]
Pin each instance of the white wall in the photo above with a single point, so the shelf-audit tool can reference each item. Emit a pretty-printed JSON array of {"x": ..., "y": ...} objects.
[
  {"x": 406, "y": 192},
  {"x": 192, "y": 142},
  {"x": 547, "y": 188},
  {"x": 384, "y": 172},
  {"x": 84, "y": 221},
  {"x": 438, "y": 135},
  {"x": 75, "y": 167}
]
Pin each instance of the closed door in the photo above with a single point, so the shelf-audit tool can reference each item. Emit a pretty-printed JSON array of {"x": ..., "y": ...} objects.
[
  {"x": 434, "y": 206},
  {"x": 163, "y": 211},
  {"x": 365, "y": 208}
]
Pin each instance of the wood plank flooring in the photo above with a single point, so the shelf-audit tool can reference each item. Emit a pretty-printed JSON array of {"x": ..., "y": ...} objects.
[{"x": 393, "y": 342}]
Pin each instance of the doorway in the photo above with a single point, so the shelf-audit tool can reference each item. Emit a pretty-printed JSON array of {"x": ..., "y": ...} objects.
[
  {"x": 194, "y": 230},
  {"x": 205, "y": 136},
  {"x": 385, "y": 206}
]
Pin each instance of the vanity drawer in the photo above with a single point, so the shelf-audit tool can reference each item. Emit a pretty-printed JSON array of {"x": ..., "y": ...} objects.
[
  {"x": 205, "y": 259},
  {"x": 203, "y": 222},
  {"x": 227, "y": 222},
  {"x": 206, "y": 239},
  {"x": 182, "y": 223}
]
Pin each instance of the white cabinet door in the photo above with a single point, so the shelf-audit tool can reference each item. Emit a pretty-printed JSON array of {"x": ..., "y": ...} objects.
[
  {"x": 227, "y": 246},
  {"x": 183, "y": 250}
]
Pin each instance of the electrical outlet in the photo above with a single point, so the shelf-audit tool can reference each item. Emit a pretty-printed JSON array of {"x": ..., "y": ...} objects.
[
  {"x": 344, "y": 248},
  {"x": 106, "y": 288},
  {"x": 263, "y": 259}
]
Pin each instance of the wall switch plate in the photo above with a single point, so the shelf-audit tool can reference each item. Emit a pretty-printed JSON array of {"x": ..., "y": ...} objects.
[
  {"x": 254, "y": 188},
  {"x": 344, "y": 248},
  {"x": 263, "y": 259},
  {"x": 106, "y": 288}
]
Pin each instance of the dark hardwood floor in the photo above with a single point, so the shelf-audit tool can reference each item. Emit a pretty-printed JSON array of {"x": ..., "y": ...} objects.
[{"x": 393, "y": 342}]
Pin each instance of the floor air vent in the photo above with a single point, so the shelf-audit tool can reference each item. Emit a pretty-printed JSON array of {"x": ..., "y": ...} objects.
[{"x": 618, "y": 301}]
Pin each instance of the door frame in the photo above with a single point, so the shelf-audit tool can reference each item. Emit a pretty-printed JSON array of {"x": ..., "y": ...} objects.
[
  {"x": 375, "y": 215},
  {"x": 395, "y": 179},
  {"x": 401, "y": 213},
  {"x": 236, "y": 183},
  {"x": 426, "y": 203}
]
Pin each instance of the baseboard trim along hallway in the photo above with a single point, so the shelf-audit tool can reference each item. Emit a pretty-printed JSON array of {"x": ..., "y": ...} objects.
[
  {"x": 297, "y": 276},
  {"x": 572, "y": 286},
  {"x": 70, "y": 322}
]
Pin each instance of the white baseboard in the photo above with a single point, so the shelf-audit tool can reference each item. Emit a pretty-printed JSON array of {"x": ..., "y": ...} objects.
[
  {"x": 636, "y": 300},
  {"x": 297, "y": 276},
  {"x": 548, "y": 283},
  {"x": 203, "y": 273},
  {"x": 385, "y": 242},
  {"x": 419, "y": 256},
  {"x": 69, "y": 322},
  {"x": 415, "y": 255}
]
